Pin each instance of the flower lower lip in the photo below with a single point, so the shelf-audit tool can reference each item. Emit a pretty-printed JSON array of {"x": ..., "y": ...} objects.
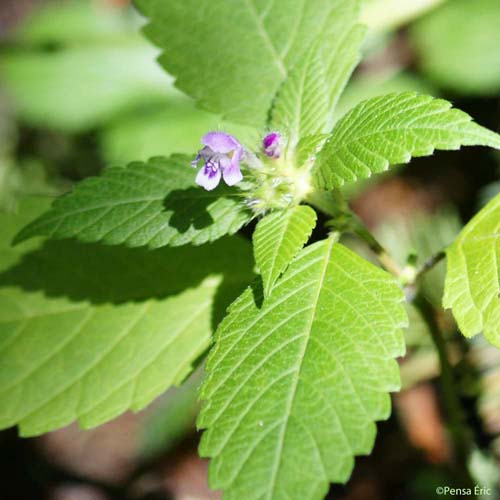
[{"x": 222, "y": 154}]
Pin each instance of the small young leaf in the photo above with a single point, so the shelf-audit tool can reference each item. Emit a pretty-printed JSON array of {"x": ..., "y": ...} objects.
[
  {"x": 391, "y": 129},
  {"x": 89, "y": 331},
  {"x": 294, "y": 387},
  {"x": 232, "y": 56},
  {"x": 150, "y": 204},
  {"x": 472, "y": 287},
  {"x": 309, "y": 146},
  {"x": 306, "y": 101},
  {"x": 278, "y": 238}
]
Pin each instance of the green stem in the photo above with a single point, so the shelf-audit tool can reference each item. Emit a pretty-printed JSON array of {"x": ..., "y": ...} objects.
[
  {"x": 460, "y": 435},
  {"x": 384, "y": 257},
  {"x": 344, "y": 220},
  {"x": 429, "y": 264}
]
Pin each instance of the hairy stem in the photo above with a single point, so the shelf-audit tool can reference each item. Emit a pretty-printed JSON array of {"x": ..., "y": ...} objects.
[
  {"x": 344, "y": 220},
  {"x": 460, "y": 435},
  {"x": 430, "y": 263},
  {"x": 382, "y": 254}
]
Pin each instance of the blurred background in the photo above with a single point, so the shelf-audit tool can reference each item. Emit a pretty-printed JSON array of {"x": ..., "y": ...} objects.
[{"x": 80, "y": 89}]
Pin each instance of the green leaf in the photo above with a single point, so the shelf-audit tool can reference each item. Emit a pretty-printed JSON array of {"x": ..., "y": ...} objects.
[
  {"x": 472, "y": 287},
  {"x": 306, "y": 101},
  {"x": 294, "y": 387},
  {"x": 152, "y": 204},
  {"x": 308, "y": 147},
  {"x": 233, "y": 56},
  {"x": 457, "y": 46},
  {"x": 278, "y": 238},
  {"x": 85, "y": 81},
  {"x": 390, "y": 129},
  {"x": 89, "y": 331}
]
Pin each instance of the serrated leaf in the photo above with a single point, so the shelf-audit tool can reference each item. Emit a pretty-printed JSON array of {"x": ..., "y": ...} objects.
[
  {"x": 392, "y": 129},
  {"x": 278, "y": 238},
  {"x": 472, "y": 287},
  {"x": 457, "y": 46},
  {"x": 308, "y": 147},
  {"x": 233, "y": 56},
  {"x": 306, "y": 101},
  {"x": 294, "y": 387},
  {"x": 150, "y": 204},
  {"x": 358, "y": 90},
  {"x": 89, "y": 331}
]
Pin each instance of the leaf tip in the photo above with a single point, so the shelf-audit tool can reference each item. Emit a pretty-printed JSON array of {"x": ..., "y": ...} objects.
[{"x": 22, "y": 236}]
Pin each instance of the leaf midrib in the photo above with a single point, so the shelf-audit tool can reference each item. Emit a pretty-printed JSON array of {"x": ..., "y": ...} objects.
[
  {"x": 90, "y": 367},
  {"x": 353, "y": 140},
  {"x": 266, "y": 38},
  {"x": 294, "y": 386},
  {"x": 270, "y": 281},
  {"x": 129, "y": 201},
  {"x": 203, "y": 307}
]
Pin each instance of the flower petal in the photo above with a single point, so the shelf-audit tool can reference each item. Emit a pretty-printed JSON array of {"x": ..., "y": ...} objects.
[
  {"x": 271, "y": 139},
  {"x": 208, "y": 178},
  {"x": 220, "y": 142},
  {"x": 272, "y": 145},
  {"x": 195, "y": 162},
  {"x": 232, "y": 174}
]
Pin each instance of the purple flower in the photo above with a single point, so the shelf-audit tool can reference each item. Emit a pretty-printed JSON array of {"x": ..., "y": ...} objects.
[
  {"x": 221, "y": 156},
  {"x": 272, "y": 145}
]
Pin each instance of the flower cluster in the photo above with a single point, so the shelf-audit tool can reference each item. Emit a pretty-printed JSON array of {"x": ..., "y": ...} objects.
[
  {"x": 222, "y": 154},
  {"x": 272, "y": 181}
]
